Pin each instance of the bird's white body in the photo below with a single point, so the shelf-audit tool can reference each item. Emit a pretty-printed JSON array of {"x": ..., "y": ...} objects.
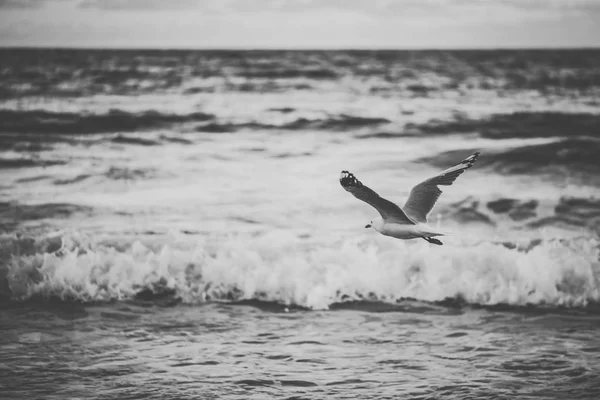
[{"x": 404, "y": 231}]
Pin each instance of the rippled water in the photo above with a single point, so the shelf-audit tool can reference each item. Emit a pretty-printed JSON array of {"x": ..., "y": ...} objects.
[
  {"x": 234, "y": 351},
  {"x": 172, "y": 225}
]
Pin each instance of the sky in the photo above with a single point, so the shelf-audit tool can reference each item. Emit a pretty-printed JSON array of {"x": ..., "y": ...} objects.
[{"x": 300, "y": 24}]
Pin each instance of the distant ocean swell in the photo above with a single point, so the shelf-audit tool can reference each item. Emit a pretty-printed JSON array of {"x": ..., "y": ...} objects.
[
  {"x": 282, "y": 269},
  {"x": 118, "y": 72},
  {"x": 531, "y": 124},
  {"x": 570, "y": 150}
]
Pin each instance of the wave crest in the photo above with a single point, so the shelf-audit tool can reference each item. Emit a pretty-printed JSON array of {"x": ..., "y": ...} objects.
[{"x": 281, "y": 268}]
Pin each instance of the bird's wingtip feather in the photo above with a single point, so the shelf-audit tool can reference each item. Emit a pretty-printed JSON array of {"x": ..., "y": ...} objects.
[
  {"x": 471, "y": 159},
  {"x": 347, "y": 180}
]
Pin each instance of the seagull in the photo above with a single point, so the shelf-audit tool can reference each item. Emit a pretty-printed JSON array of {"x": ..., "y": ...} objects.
[{"x": 410, "y": 221}]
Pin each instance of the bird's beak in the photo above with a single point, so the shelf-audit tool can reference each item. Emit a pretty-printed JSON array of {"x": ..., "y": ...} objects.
[{"x": 367, "y": 225}]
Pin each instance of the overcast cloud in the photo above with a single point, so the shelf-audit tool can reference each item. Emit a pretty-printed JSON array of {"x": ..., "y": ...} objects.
[{"x": 300, "y": 23}]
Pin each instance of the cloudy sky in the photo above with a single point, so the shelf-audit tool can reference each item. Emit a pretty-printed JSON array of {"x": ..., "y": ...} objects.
[{"x": 300, "y": 23}]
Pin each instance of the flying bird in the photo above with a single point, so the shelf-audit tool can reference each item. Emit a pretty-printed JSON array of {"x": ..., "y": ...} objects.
[{"x": 410, "y": 221}]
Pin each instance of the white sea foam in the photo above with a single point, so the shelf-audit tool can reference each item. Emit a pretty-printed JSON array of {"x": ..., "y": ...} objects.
[{"x": 282, "y": 268}]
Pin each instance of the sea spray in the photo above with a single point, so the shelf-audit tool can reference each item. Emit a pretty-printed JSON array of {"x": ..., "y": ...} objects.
[{"x": 282, "y": 268}]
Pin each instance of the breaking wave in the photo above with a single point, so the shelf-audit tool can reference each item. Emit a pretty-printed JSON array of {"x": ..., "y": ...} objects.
[{"x": 280, "y": 268}]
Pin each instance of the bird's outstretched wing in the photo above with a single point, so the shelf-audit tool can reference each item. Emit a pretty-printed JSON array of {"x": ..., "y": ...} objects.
[
  {"x": 422, "y": 197},
  {"x": 389, "y": 211}
]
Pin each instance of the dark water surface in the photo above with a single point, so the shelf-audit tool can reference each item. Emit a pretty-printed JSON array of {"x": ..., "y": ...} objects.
[
  {"x": 172, "y": 226},
  {"x": 234, "y": 351}
]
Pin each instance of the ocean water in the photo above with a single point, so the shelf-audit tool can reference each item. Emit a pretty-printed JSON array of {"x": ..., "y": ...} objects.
[{"x": 172, "y": 225}]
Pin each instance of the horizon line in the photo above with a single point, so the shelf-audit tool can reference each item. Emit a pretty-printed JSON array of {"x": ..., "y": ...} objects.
[{"x": 182, "y": 48}]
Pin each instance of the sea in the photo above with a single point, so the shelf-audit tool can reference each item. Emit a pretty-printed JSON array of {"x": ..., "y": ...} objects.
[{"x": 172, "y": 224}]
